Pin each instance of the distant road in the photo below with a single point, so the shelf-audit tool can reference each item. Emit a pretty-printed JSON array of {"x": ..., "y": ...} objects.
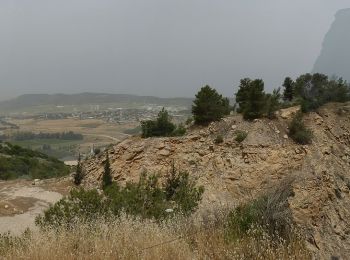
[{"x": 107, "y": 136}]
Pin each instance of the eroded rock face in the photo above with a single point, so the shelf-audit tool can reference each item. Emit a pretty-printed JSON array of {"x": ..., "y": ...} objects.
[{"x": 233, "y": 172}]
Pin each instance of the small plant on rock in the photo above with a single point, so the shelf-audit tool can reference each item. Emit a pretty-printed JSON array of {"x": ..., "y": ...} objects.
[
  {"x": 298, "y": 131},
  {"x": 219, "y": 139},
  {"x": 241, "y": 136}
]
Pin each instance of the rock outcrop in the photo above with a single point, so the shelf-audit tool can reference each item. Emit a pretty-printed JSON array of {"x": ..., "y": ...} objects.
[
  {"x": 233, "y": 172},
  {"x": 334, "y": 58}
]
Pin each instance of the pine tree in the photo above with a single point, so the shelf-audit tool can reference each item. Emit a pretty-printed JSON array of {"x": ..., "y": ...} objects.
[
  {"x": 209, "y": 106},
  {"x": 273, "y": 103},
  {"x": 107, "y": 176},
  {"x": 251, "y": 98},
  {"x": 288, "y": 93},
  {"x": 78, "y": 176}
]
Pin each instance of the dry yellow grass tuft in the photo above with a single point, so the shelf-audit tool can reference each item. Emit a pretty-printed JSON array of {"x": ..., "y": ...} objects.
[{"x": 133, "y": 239}]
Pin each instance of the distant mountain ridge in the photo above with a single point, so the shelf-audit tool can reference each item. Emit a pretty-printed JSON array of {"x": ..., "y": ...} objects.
[
  {"x": 34, "y": 100},
  {"x": 334, "y": 58}
]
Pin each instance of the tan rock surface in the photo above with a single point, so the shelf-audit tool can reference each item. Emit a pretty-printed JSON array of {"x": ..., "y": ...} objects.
[{"x": 232, "y": 172}]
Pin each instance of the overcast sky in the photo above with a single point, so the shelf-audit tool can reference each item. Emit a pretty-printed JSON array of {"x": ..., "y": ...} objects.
[{"x": 157, "y": 47}]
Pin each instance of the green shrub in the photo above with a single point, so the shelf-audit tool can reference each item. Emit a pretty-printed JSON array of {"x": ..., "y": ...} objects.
[
  {"x": 241, "y": 136},
  {"x": 179, "y": 131},
  {"x": 182, "y": 190},
  {"x": 298, "y": 131},
  {"x": 315, "y": 90},
  {"x": 146, "y": 199},
  {"x": 80, "y": 206},
  {"x": 189, "y": 121},
  {"x": 162, "y": 126},
  {"x": 219, "y": 139},
  {"x": 269, "y": 213},
  {"x": 244, "y": 218}
]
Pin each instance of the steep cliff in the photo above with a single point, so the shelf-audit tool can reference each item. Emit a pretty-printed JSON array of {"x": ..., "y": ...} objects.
[
  {"x": 334, "y": 58},
  {"x": 232, "y": 172}
]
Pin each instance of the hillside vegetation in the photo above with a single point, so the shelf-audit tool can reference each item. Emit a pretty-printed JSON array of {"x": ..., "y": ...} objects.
[{"x": 18, "y": 162}]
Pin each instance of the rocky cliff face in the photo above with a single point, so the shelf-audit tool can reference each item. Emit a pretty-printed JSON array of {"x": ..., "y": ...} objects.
[
  {"x": 334, "y": 58},
  {"x": 233, "y": 172}
]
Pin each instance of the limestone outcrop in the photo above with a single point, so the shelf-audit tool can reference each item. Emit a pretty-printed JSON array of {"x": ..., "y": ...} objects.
[{"x": 232, "y": 172}]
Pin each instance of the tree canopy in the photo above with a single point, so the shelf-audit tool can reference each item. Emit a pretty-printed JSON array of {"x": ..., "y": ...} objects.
[{"x": 209, "y": 106}]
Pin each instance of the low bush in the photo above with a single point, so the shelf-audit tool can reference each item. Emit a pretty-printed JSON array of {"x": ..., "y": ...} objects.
[
  {"x": 179, "y": 131},
  {"x": 268, "y": 213},
  {"x": 162, "y": 126},
  {"x": 298, "y": 131},
  {"x": 189, "y": 121},
  {"x": 219, "y": 139},
  {"x": 241, "y": 136},
  {"x": 147, "y": 199}
]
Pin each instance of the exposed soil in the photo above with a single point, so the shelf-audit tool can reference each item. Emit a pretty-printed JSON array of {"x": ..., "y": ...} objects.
[{"x": 21, "y": 201}]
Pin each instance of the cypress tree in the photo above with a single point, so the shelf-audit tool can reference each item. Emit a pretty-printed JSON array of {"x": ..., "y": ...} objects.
[
  {"x": 78, "y": 176},
  {"x": 107, "y": 176},
  {"x": 288, "y": 93}
]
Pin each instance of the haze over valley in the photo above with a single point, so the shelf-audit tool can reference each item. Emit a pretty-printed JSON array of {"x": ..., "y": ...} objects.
[{"x": 161, "y": 129}]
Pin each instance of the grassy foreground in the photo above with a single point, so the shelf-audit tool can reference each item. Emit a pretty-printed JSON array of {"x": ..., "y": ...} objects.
[{"x": 129, "y": 238}]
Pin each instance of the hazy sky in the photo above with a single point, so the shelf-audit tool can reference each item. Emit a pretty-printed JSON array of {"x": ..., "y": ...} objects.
[{"x": 157, "y": 47}]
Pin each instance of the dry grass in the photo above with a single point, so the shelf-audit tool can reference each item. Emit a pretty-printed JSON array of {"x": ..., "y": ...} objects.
[{"x": 134, "y": 239}]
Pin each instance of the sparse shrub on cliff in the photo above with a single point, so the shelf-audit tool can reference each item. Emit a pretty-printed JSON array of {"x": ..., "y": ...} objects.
[
  {"x": 269, "y": 213},
  {"x": 241, "y": 136},
  {"x": 181, "y": 189},
  {"x": 189, "y": 120},
  {"x": 147, "y": 199},
  {"x": 298, "y": 131},
  {"x": 179, "y": 131},
  {"x": 218, "y": 139},
  {"x": 209, "y": 106}
]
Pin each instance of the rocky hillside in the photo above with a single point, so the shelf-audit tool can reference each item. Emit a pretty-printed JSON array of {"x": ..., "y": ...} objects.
[
  {"x": 232, "y": 172},
  {"x": 334, "y": 58}
]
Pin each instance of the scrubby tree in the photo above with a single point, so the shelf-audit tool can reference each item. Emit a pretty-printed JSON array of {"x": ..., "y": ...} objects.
[
  {"x": 209, "y": 106},
  {"x": 298, "y": 131},
  {"x": 314, "y": 90},
  {"x": 251, "y": 98},
  {"x": 107, "y": 176},
  {"x": 162, "y": 126},
  {"x": 273, "y": 103},
  {"x": 288, "y": 89},
  {"x": 78, "y": 176}
]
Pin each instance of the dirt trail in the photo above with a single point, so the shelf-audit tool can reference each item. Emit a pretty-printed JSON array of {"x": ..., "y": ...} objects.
[{"x": 21, "y": 202}]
